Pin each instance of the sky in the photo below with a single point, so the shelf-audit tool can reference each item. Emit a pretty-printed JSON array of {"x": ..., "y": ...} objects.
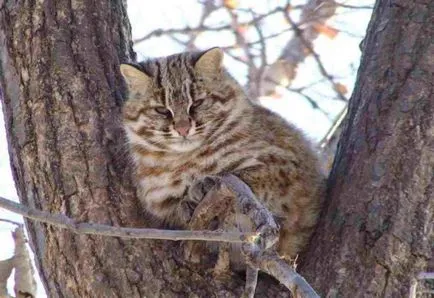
[{"x": 340, "y": 57}]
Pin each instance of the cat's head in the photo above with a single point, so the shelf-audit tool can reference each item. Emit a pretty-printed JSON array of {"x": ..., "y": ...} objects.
[{"x": 176, "y": 103}]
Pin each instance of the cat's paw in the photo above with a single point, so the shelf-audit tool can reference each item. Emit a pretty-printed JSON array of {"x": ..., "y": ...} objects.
[
  {"x": 186, "y": 210},
  {"x": 201, "y": 187},
  {"x": 196, "y": 193}
]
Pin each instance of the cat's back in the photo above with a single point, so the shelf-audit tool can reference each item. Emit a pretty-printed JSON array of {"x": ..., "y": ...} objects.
[{"x": 279, "y": 136}]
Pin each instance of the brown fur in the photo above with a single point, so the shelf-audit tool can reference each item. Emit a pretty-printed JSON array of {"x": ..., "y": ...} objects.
[{"x": 229, "y": 134}]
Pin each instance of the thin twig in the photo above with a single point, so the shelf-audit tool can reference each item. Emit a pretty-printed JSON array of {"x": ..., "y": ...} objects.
[
  {"x": 300, "y": 92},
  {"x": 258, "y": 41},
  {"x": 310, "y": 49},
  {"x": 202, "y": 27},
  {"x": 263, "y": 54},
  {"x": 314, "y": 13},
  {"x": 207, "y": 9},
  {"x": 333, "y": 129},
  {"x": 62, "y": 221},
  {"x": 354, "y": 6},
  {"x": 11, "y": 222},
  {"x": 425, "y": 275}
]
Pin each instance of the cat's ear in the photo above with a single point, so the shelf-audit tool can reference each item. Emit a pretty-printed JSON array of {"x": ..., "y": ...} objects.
[
  {"x": 210, "y": 62},
  {"x": 135, "y": 78}
]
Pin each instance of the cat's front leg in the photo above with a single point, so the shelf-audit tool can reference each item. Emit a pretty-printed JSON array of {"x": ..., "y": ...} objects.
[
  {"x": 202, "y": 191},
  {"x": 201, "y": 187},
  {"x": 196, "y": 193}
]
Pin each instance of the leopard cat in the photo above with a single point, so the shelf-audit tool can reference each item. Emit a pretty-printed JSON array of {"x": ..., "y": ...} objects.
[{"x": 186, "y": 118}]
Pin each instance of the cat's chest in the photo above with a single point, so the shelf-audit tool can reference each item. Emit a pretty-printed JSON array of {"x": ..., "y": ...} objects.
[{"x": 160, "y": 178}]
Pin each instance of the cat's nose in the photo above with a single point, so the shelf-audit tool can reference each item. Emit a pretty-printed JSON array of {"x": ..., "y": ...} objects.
[{"x": 183, "y": 127}]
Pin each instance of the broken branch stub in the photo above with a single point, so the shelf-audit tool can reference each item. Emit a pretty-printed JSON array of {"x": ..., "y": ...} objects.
[{"x": 25, "y": 283}]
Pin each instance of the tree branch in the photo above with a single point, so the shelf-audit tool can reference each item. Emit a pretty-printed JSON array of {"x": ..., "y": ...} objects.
[
  {"x": 257, "y": 247},
  {"x": 201, "y": 27},
  {"x": 314, "y": 13},
  {"x": 307, "y": 44},
  {"x": 251, "y": 281},
  {"x": 62, "y": 221},
  {"x": 11, "y": 222},
  {"x": 272, "y": 264}
]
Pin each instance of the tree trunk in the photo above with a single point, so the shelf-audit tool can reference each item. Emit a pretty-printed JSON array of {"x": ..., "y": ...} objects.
[
  {"x": 377, "y": 231},
  {"x": 61, "y": 100}
]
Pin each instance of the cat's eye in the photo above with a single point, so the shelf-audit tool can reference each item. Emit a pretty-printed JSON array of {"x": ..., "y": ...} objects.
[{"x": 163, "y": 111}]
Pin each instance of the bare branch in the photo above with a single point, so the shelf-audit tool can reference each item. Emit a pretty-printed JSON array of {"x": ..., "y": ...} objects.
[
  {"x": 11, "y": 221},
  {"x": 272, "y": 264},
  {"x": 328, "y": 144},
  {"x": 332, "y": 132},
  {"x": 260, "y": 70},
  {"x": 300, "y": 92},
  {"x": 257, "y": 246},
  {"x": 258, "y": 41},
  {"x": 314, "y": 13},
  {"x": 308, "y": 45},
  {"x": 62, "y": 221},
  {"x": 252, "y": 70},
  {"x": 208, "y": 7},
  {"x": 354, "y": 6},
  {"x": 425, "y": 275},
  {"x": 202, "y": 27}
]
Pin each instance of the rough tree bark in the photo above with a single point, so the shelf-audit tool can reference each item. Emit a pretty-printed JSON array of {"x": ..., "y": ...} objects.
[
  {"x": 61, "y": 98},
  {"x": 377, "y": 228}
]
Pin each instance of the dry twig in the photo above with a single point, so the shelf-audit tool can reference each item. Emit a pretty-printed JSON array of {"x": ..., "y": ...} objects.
[
  {"x": 11, "y": 222},
  {"x": 62, "y": 221}
]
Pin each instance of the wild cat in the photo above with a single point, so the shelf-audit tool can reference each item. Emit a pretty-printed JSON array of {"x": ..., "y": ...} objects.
[{"x": 186, "y": 118}]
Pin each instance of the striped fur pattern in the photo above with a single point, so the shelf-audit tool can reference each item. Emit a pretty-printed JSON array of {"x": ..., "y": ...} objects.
[{"x": 227, "y": 133}]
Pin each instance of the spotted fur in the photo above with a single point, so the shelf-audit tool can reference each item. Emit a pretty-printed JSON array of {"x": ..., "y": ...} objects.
[{"x": 227, "y": 134}]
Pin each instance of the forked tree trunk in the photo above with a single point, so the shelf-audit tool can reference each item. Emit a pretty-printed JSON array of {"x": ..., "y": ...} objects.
[
  {"x": 61, "y": 99},
  {"x": 377, "y": 231}
]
